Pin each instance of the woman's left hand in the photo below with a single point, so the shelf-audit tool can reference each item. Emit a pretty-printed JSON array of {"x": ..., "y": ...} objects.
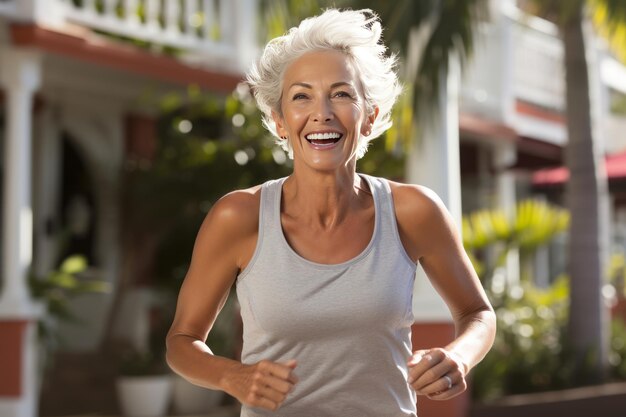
[{"x": 437, "y": 373}]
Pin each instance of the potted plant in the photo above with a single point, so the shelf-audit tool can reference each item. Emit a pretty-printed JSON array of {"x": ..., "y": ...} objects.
[
  {"x": 54, "y": 291},
  {"x": 144, "y": 385}
]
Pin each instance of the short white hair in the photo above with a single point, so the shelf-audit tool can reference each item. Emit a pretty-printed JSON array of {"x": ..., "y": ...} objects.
[{"x": 356, "y": 33}]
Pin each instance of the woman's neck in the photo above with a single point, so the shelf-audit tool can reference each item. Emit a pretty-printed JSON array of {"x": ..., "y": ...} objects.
[{"x": 322, "y": 199}]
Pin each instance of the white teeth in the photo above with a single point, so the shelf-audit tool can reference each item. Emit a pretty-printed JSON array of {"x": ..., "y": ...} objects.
[{"x": 323, "y": 136}]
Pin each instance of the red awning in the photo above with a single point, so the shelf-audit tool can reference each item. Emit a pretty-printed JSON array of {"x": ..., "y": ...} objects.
[{"x": 615, "y": 169}]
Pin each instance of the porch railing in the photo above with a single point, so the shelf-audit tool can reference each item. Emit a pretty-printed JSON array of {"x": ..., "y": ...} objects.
[
  {"x": 538, "y": 72},
  {"x": 221, "y": 31}
]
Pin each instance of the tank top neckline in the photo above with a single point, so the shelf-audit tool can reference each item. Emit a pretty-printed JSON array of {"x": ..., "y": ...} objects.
[{"x": 302, "y": 259}]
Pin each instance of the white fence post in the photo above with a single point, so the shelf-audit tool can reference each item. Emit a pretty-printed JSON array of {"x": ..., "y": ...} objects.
[{"x": 245, "y": 39}]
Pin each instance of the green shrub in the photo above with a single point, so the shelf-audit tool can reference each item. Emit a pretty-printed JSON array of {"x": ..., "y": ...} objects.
[
  {"x": 617, "y": 356},
  {"x": 531, "y": 352},
  {"x": 528, "y": 353}
]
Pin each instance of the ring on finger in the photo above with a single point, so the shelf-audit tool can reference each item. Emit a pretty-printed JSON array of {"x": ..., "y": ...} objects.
[{"x": 448, "y": 380}]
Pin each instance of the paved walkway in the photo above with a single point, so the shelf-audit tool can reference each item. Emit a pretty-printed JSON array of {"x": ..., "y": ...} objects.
[{"x": 227, "y": 411}]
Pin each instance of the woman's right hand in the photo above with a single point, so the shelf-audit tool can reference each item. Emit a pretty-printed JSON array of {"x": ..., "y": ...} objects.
[{"x": 263, "y": 385}]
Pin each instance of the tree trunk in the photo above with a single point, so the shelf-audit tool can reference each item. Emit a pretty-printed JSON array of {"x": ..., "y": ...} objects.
[{"x": 587, "y": 186}]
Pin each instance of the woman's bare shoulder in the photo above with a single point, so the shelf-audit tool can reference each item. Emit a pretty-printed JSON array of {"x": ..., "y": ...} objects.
[
  {"x": 415, "y": 201},
  {"x": 230, "y": 228},
  {"x": 237, "y": 211},
  {"x": 421, "y": 217}
]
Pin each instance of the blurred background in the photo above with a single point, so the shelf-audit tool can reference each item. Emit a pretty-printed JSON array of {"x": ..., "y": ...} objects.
[{"x": 123, "y": 121}]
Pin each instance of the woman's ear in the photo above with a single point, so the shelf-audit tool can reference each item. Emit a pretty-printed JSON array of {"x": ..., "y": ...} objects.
[
  {"x": 366, "y": 127},
  {"x": 280, "y": 125}
]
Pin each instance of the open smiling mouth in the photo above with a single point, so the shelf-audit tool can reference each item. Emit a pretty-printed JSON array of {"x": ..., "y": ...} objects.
[{"x": 321, "y": 140}]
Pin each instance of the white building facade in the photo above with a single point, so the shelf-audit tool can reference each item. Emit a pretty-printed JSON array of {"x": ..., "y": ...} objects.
[{"x": 70, "y": 100}]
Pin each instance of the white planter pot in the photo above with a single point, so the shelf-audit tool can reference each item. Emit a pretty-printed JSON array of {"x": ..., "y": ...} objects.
[
  {"x": 188, "y": 398},
  {"x": 144, "y": 396}
]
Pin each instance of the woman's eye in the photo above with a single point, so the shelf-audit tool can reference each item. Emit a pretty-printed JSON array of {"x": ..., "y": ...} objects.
[
  {"x": 299, "y": 96},
  {"x": 343, "y": 94}
]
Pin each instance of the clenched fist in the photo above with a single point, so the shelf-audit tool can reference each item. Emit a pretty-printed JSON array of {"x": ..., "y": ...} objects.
[
  {"x": 265, "y": 384},
  {"x": 437, "y": 373}
]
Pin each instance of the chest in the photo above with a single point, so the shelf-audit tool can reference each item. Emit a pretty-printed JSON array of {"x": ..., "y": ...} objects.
[
  {"x": 333, "y": 245},
  {"x": 289, "y": 299}
]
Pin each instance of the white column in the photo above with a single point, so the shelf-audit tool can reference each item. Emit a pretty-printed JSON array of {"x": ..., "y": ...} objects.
[
  {"x": 245, "y": 40},
  {"x": 506, "y": 62},
  {"x": 47, "y": 171},
  {"x": 434, "y": 162},
  {"x": 505, "y": 155},
  {"x": 20, "y": 77}
]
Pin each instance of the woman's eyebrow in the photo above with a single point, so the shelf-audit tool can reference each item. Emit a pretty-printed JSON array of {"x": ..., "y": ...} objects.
[
  {"x": 333, "y": 85},
  {"x": 341, "y": 83},
  {"x": 301, "y": 84}
]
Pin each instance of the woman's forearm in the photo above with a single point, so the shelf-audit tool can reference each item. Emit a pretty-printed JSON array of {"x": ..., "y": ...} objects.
[
  {"x": 475, "y": 336},
  {"x": 192, "y": 359}
]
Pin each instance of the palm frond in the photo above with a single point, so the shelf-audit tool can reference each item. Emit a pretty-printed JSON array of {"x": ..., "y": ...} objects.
[
  {"x": 425, "y": 34},
  {"x": 609, "y": 17}
]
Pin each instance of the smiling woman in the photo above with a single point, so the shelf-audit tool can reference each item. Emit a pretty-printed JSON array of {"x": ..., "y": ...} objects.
[
  {"x": 322, "y": 109},
  {"x": 357, "y": 35},
  {"x": 324, "y": 260}
]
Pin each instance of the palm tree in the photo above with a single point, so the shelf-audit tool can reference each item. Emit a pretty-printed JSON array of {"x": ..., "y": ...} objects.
[{"x": 587, "y": 189}]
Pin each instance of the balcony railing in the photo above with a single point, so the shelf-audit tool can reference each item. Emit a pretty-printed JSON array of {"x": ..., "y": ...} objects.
[
  {"x": 516, "y": 58},
  {"x": 221, "y": 31},
  {"x": 538, "y": 73}
]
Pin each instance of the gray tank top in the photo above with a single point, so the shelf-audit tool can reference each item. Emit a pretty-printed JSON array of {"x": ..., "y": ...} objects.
[{"x": 348, "y": 325}]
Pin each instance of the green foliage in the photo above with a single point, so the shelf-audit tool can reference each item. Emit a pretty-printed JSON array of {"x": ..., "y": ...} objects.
[
  {"x": 617, "y": 357},
  {"x": 207, "y": 146},
  {"x": 609, "y": 17},
  {"x": 528, "y": 354},
  {"x": 531, "y": 352},
  {"x": 447, "y": 27},
  {"x": 617, "y": 272},
  {"x": 523, "y": 333},
  {"x": 535, "y": 224},
  {"x": 55, "y": 291},
  {"x": 278, "y": 16},
  {"x": 59, "y": 286}
]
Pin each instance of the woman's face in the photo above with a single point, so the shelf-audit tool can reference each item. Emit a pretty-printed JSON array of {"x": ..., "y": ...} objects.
[{"x": 323, "y": 110}]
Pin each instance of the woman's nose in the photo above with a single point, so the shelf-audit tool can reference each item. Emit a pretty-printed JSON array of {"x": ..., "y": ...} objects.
[{"x": 323, "y": 111}]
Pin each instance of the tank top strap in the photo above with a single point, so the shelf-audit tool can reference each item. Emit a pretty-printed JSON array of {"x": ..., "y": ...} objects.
[
  {"x": 384, "y": 203},
  {"x": 270, "y": 204},
  {"x": 389, "y": 234}
]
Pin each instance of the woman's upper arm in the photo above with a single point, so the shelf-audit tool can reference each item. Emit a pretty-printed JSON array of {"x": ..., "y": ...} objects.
[
  {"x": 430, "y": 236},
  {"x": 217, "y": 257}
]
